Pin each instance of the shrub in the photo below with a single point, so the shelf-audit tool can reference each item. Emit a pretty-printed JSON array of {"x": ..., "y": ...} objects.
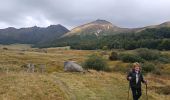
[
  {"x": 157, "y": 71},
  {"x": 164, "y": 59},
  {"x": 5, "y": 48},
  {"x": 95, "y": 62},
  {"x": 130, "y": 58},
  {"x": 165, "y": 44},
  {"x": 148, "y": 67},
  {"x": 104, "y": 48},
  {"x": 163, "y": 90},
  {"x": 148, "y": 54},
  {"x": 113, "y": 56},
  {"x": 122, "y": 68}
]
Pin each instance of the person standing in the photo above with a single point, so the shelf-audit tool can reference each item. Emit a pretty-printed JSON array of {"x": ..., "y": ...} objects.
[{"x": 135, "y": 79}]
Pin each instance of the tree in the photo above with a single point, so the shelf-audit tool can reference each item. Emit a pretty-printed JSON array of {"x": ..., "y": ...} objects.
[{"x": 165, "y": 44}]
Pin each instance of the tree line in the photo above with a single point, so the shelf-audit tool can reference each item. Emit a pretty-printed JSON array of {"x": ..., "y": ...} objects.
[{"x": 153, "y": 38}]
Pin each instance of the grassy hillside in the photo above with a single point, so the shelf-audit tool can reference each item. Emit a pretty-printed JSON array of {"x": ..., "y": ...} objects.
[{"x": 55, "y": 84}]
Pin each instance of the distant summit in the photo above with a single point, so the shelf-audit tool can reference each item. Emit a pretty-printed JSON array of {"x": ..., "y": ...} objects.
[
  {"x": 98, "y": 27},
  {"x": 100, "y": 21},
  {"x": 56, "y": 26}
]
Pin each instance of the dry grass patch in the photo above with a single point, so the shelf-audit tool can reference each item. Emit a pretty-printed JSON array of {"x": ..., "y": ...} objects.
[
  {"x": 58, "y": 85},
  {"x": 25, "y": 86}
]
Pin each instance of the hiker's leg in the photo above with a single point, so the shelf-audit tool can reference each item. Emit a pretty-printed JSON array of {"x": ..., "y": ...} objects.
[
  {"x": 139, "y": 92},
  {"x": 134, "y": 93}
]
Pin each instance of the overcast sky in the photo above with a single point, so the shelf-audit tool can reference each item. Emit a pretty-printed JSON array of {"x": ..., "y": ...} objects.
[{"x": 70, "y": 13}]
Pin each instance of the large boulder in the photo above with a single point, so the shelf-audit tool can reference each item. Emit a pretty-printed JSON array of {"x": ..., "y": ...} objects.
[{"x": 72, "y": 67}]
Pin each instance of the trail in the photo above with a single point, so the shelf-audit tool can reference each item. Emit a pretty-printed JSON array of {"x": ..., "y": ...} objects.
[
  {"x": 65, "y": 89},
  {"x": 74, "y": 87}
]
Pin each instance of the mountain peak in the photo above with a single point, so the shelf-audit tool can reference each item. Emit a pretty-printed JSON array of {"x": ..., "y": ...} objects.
[
  {"x": 100, "y": 21},
  {"x": 57, "y": 28},
  {"x": 97, "y": 27},
  {"x": 52, "y": 26}
]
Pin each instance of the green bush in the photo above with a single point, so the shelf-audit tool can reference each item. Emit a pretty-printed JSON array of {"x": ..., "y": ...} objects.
[
  {"x": 148, "y": 54},
  {"x": 165, "y": 44},
  {"x": 130, "y": 58},
  {"x": 148, "y": 67},
  {"x": 95, "y": 62},
  {"x": 113, "y": 56}
]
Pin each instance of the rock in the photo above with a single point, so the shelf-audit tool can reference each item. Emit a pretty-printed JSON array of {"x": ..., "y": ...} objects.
[
  {"x": 72, "y": 67},
  {"x": 5, "y": 48},
  {"x": 31, "y": 67}
]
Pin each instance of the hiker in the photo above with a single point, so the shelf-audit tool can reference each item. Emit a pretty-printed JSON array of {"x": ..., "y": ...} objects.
[{"x": 135, "y": 78}]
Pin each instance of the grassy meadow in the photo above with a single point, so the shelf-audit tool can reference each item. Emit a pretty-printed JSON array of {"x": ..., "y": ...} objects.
[{"x": 55, "y": 84}]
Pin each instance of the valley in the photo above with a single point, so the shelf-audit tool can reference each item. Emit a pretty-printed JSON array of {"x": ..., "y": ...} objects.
[{"x": 55, "y": 84}]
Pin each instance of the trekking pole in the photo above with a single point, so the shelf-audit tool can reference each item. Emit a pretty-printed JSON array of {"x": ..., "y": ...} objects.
[
  {"x": 128, "y": 92},
  {"x": 146, "y": 91}
]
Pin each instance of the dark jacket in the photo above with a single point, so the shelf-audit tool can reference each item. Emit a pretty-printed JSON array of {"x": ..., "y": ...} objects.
[{"x": 133, "y": 83}]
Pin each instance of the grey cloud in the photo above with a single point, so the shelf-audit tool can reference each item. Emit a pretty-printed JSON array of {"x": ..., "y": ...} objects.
[{"x": 124, "y": 13}]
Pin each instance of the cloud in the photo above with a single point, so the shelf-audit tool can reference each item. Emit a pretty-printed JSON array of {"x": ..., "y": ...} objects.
[{"x": 70, "y": 13}]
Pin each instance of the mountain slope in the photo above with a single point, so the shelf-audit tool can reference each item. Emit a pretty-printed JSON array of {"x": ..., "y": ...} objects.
[
  {"x": 113, "y": 37},
  {"x": 98, "y": 28},
  {"x": 104, "y": 28},
  {"x": 31, "y": 35},
  {"x": 162, "y": 25}
]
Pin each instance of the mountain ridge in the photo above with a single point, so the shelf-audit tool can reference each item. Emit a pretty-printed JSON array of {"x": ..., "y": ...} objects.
[
  {"x": 31, "y": 35},
  {"x": 58, "y": 35}
]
